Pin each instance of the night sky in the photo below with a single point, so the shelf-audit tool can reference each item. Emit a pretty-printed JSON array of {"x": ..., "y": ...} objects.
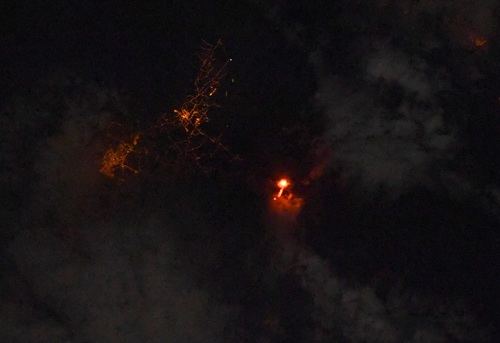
[{"x": 383, "y": 115}]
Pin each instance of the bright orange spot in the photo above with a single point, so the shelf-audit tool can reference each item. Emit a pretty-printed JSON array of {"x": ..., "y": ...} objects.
[
  {"x": 480, "y": 41},
  {"x": 282, "y": 184}
]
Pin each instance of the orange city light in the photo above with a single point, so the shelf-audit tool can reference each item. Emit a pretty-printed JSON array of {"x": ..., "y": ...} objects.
[{"x": 480, "y": 42}]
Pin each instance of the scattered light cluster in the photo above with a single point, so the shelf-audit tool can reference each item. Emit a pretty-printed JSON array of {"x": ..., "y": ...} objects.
[
  {"x": 184, "y": 126},
  {"x": 193, "y": 113},
  {"x": 116, "y": 159},
  {"x": 184, "y": 130}
]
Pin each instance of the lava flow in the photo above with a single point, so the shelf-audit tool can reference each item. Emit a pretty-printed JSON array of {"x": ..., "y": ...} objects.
[
  {"x": 284, "y": 200},
  {"x": 282, "y": 185}
]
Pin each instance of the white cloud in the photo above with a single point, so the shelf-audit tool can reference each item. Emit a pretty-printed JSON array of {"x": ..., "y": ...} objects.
[{"x": 379, "y": 146}]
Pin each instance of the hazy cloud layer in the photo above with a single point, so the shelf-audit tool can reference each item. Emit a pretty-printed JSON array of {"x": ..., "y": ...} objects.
[
  {"x": 88, "y": 260},
  {"x": 127, "y": 285},
  {"x": 384, "y": 70},
  {"x": 80, "y": 268},
  {"x": 394, "y": 147},
  {"x": 358, "y": 314}
]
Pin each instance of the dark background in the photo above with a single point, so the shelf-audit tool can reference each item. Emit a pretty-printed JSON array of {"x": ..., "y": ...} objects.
[{"x": 394, "y": 103}]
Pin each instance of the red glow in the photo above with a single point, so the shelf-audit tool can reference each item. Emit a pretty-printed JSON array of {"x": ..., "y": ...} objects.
[
  {"x": 282, "y": 184},
  {"x": 284, "y": 200},
  {"x": 480, "y": 42}
]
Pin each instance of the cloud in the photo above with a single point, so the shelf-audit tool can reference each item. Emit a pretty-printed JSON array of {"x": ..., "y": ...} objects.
[
  {"x": 91, "y": 261},
  {"x": 385, "y": 145},
  {"x": 390, "y": 76},
  {"x": 118, "y": 291},
  {"x": 357, "y": 314},
  {"x": 49, "y": 147},
  {"x": 87, "y": 263},
  {"x": 394, "y": 67}
]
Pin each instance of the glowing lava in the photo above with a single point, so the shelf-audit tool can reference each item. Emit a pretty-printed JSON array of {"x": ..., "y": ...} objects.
[
  {"x": 117, "y": 158},
  {"x": 284, "y": 200},
  {"x": 282, "y": 184}
]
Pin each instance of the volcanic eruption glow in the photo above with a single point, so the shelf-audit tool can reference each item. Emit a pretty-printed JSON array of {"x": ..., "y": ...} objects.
[
  {"x": 282, "y": 185},
  {"x": 284, "y": 200}
]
